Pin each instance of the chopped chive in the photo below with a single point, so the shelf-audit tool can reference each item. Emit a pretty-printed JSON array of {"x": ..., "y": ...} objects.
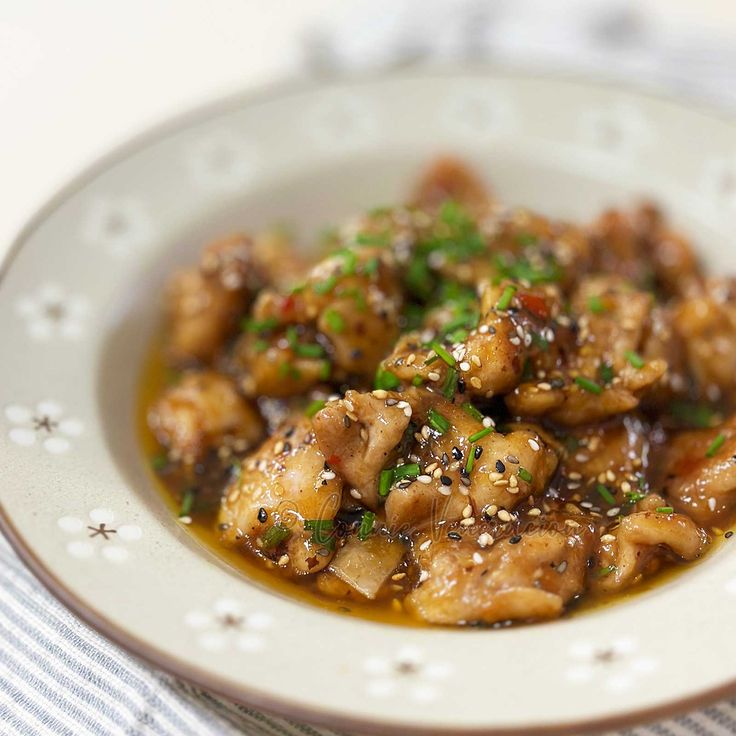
[
  {"x": 603, "y": 571},
  {"x": 366, "y": 525},
  {"x": 357, "y": 296},
  {"x": 506, "y": 297},
  {"x": 187, "y": 501},
  {"x": 286, "y": 370},
  {"x": 386, "y": 380},
  {"x": 450, "y": 385},
  {"x": 481, "y": 434},
  {"x": 471, "y": 459},
  {"x": 665, "y": 509},
  {"x": 588, "y": 385},
  {"x": 312, "y": 350},
  {"x": 417, "y": 380},
  {"x": 274, "y": 536},
  {"x": 526, "y": 239},
  {"x": 634, "y": 496},
  {"x": 323, "y": 531},
  {"x": 324, "y": 370},
  {"x": 334, "y": 320},
  {"x": 605, "y": 494},
  {"x": 260, "y": 325},
  {"x": 524, "y": 474},
  {"x": 431, "y": 359},
  {"x": 605, "y": 372},
  {"x": 634, "y": 359},
  {"x": 159, "y": 462},
  {"x": 324, "y": 287},
  {"x": 716, "y": 445},
  {"x": 260, "y": 346},
  {"x": 596, "y": 305},
  {"x": 470, "y": 410},
  {"x": 372, "y": 239},
  {"x": 410, "y": 470},
  {"x": 371, "y": 266},
  {"x": 385, "y": 481},
  {"x": 437, "y": 421},
  {"x": 314, "y": 406},
  {"x": 350, "y": 260},
  {"x": 443, "y": 353}
]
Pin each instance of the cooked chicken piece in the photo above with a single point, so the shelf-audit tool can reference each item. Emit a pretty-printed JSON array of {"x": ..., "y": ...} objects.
[
  {"x": 338, "y": 325},
  {"x": 642, "y": 541},
  {"x": 698, "y": 472},
  {"x": 203, "y": 411},
  {"x": 605, "y": 375},
  {"x": 360, "y": 434},
  {"x": 505, "y": 468},
  {"x": 524, "y": 577},
  {"x": 706, "y": 324},
  {"x": 449, "y": 179},
  {"x": 283, "y": 503},
  {"x": 279, "y": 261},
  {"x": 204, "y": 303},
  {"x": 640, "y": 247}
]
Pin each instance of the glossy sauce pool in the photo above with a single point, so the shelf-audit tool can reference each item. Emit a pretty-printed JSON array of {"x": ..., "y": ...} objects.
[{"x": 155, "y": 377}]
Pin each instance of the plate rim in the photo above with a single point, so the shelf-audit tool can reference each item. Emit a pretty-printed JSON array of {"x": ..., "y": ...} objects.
[{"x": 246, "y": 695}]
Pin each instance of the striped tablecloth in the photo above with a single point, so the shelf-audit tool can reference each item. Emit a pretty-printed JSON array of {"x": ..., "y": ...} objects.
[{"x": 57, "y": 676}]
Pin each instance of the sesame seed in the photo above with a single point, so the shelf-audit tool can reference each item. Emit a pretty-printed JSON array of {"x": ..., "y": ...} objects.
[
  {"x": 487, "y": 422},
  {"x": 712, "y": 503},
  {"x": 467, "y": 511},
  {"x": 445, "y": 480},
  {"x": 515, "y": 341},
  {"x": 430, "y": 468},
  {"x": 490, "y": 511},
  {"x": 534, "y": 512},
  {"x": 185, "y": 519},
  {"x": 465, "y": 366},
  {"x": 328, "y": 475},
  {"x": 608, "y": 538},
  {"x": 283, "y": 560},
  {"x": 572, "y": 523},
  {"x": 444, "y": 490},
  {"x": 433, "y": 376},
  {"x": 626, "y": 486},
  {"x": 544, "y": 386},
  {"x": 574, "y": 476},
  {"x": 610, "y": 476},
  {"x": 485, "y": 539},
  {"x": 468, "y": 522},
  {"x": 613, "y": 512},
  {"x": 515, "y": 539},
  {"x": 411, "y": 359},
  {"x": 355, "y": 493},
  {"x": 398, "y": 576},
  {"x": 349, "y": 405},
  {"x": 561, "y": 567},
  {"x": 475, "y": 360},
  {"x": 278, "y": 448},
  {"x": 512, "y": 459},
  {"x": 483, "y": 329},
  {"x": 424, "y": 479},
  {"x": 379, "y": 393},
  {"x": 533, "y": 444},
  {"x": 424, "y": 546},
  {"x": 477, "y": 558},
  {"x": 437, "y": 472},
  {"x": 423, "y": 576},
  {"x": 475, "y": 382},
  {"x": 504, "y": 515},
  {"x": 501, "y": 482}
]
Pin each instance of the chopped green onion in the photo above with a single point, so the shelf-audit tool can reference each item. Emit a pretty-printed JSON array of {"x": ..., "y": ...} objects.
[
  {"x": 437, "y": 421},
  {"x": 471, "y": 459},
  {"x": 349, "y": 261},
  {"x": 605, "y": 372},
  {"x": 260, "y": 325},
  {"x": 385, "y": 481},
  {"x": 334, "y": 320},
  {"x": 634, "y": 359},
  {"x": 159, "y": 462},
  {"x": 480, "y": 435},
  {"x": 286, "y": 370},
  {"x": 366, "y": 525},
  {"x": 417, "y": 380},
  {"x": 596, "y": 305},
  {"x": 524, "y": 474},
  {"x": 450, "y": 384},
  {"x": 372, "y": 239},
  {"x": 665, "y": 509},
  {"x": 324, "y": 370},
  {"x": 323, "y": 531},
  {"x": 410, "y": 470},
  {"x": 588, "y": 385},
  {"x": 605, "y": 494},
  {"x": 324, "y": 287},
  {"x": 506, "y": 297},
  {"x": 443, "y": 353},
  {"x": 314, "y": 406},
  {"x": 371, "y": 266},
  {"x": 356, "y": 295},
  {"x": 386, "y": 380},
  {"x": 634, "y": 496},
  {"x": 470, "y": 410},
  {"x": 260, "y": 346},
  {"x": 313, "y": 350},
  {"x": 432, "y": 359},
  {"x": 187, "y": 502},
  {"x": 716, "y": 445},
  {"x": 526, "y": 239},
  {"x": 274, "y": 536},
  {"x": 692, "y": 414},
  {"x": 603, "y": 571}
]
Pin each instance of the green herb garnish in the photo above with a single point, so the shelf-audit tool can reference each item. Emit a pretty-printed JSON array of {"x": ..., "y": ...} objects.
[
  {"x": 524, "y": 474},
  {"x": 259, "y": 325},
  {"x": 481, "y": 434},
  {"x": 449, "y": 359},
  {"x": 326, "y": 286},
  {"x": 635, "y": 360},
  {"x": 603, "y": 571},
  {"x": 275, "y": 535},
  {"x": 665, "y": 509},
  {"x": 366, "y": 525},
  {"x": 470, "y": 410},
  {"x": 438, "y": 422},
  {"x": 159, "y": 462},
  {"x": 314, "y": 406},
  {"x": 605, "y": 372},
  {"x": 417, "y": 381},
  {"x": 450, "y": 385},
  {"x": 323, "y": 531},
  {"x": 716, "y": 445},
  {"x": 506, "y": 297},
  {"x": 596, "y": 305},
  {"x": 334, "y": 320},
  {"x": 411, "y": 470},
  {"x": 588, "y": 385},
  {"x": 605, "y": 494},
  {"x": 386, "y": 380},
  {"x": 385, "y": 481},
  {"x": 187, "y": 502}
]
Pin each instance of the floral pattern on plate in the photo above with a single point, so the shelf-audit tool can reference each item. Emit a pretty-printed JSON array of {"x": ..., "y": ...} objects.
[
  {"x": 45, "y": 424},
  {"x": 229, "y": 623},
  {"x": 99, "y": 534},
  {"x": 119, "y": 225},
  {"x": 618, "y": 130},
  {"x": 221, "y": 162},
  {"x": 50, "y": 312},
  {"x": 407, "y": 674}
]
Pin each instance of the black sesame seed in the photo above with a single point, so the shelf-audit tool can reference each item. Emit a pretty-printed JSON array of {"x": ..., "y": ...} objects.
[
  {"x": 515, "y": 539},
  {"x": 289, "y": 432},
  {"x": 460, "y": 386},
  {"x": 728, "y": 535},
  {"x": 391, "y": 402},
  {"x": 465, "y": 480},
  {"x": 512, "y": 459},
  {"x": 262, "y": 515},
  {"x": 346, "y": 420},
  {"x": 457, "y": 453},
  {"x": 444, "y": 459},
  {"x": 445, "y": 480},
  {"x": 500, "y": 467},
  {"x": 287, "y": 446},
  {"x": 454, "y": 535},
  {"x": 326, "y": 466},
  {"x": 478, "y": 451}
]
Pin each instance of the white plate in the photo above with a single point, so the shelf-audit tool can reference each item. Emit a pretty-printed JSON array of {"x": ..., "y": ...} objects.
[{"x": 99, "y": 253}]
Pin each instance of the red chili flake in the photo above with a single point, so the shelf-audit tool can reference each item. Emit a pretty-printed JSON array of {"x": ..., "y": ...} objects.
[
  {"x": 534, "y": 304},
  {"x": 333, "y": 460},
  {"x": 287, "y": 305}
]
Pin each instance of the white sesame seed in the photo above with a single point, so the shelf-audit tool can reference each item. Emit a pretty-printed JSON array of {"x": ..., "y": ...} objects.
[
  {"x": 490, "y": 510},
  {"x": 349, "y": 405},
  {"x": 608, "y": 538},
  {"x": 278, "y": 447},
  {"x": 513, "y": 481},
  {"x": 485, "y": 539},
  {"x": 328, "y": 475},
  {"x": 465, "y": 366},
  {"x": 468, "y": 522},
  {"x": 475, "y": 360},
  {"x": 185, "y": 520},
  {"x": 712, "y": 503},
  {"x": 574, "y": 476},
  {"x": 398, "y": 576},
  {"x": 613, "y": 512},
  {"x": 515, "y": 341},
  {"x": 431, "y": 468},
  {"x": 433, "y": 376},
  {"x": 425, "y": 479},
  {"x": 477, "y": 558},
  {"x": 283, "y": 560},
  {"x": 444, "y": 490},
  {"x": 487, "y": 422},
  {"x": 572, "y": 523},
  {"x": 475, "y": 382},
  {"x": 411, "y": 359},
  {"x": 534, "y": 512},
  {"x": 423, "y": 576},
  {"x": 501, "y": 482},
  {"x": 533, "y": 444},
  {"x": 424, "y": 546},
  {"x": 626, "y": 487},
  {"x": 355, "y": 493},
  {"x": 610, "y": 476},
  {"x": 495, "y": 476},
  {"x": 504, "y": 515},
  {"x": 407, "y": 411},
  {"x": 467, "y": 511},
  {"x": 380, "y": 393},
  {"x": 544, "y": 386},
  {"x": 483, "y": 329}
]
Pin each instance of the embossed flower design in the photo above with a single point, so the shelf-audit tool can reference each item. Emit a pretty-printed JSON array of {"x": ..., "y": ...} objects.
[
  {"x": 616, "y": 665},
  {"x": 45, "y": 424},
  {"x": 405, "y": 673},
  {"x": 99, "y": 534},
  {"x": 342, "y": 122},
  {"x": 119, "y": 225},
  {"x": 50, "y": 313},
  {"x": 619, "y": 129},
  {"x": 228, "y": 623},
  {"x": 221, "y": 162},
  {"x": 472, "y": 113}
]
